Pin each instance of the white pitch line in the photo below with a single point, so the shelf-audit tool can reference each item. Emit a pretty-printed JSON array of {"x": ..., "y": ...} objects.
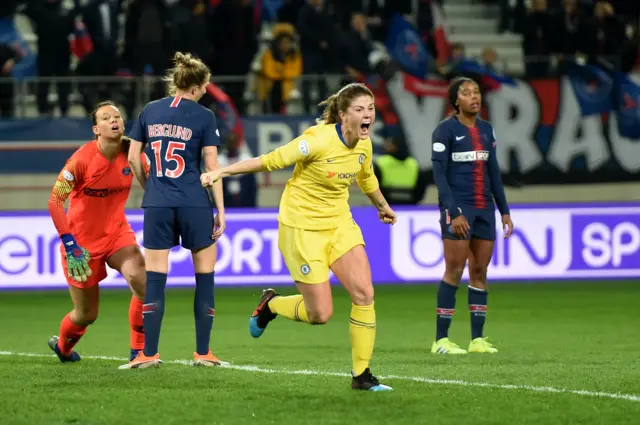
[{"x": 251, "y": 368}]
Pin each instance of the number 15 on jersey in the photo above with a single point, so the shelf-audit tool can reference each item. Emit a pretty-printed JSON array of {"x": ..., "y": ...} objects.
[{"x": 173, "y": 163}]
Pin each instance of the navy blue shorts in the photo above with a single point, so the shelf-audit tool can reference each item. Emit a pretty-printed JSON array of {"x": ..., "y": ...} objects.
[
  {"x": 166, "y": 227},
  {"x": 481, "y": 222}
]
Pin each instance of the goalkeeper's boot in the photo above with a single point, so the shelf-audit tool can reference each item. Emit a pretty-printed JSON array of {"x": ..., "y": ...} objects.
[
  {"x": 481, "y": 345},
  {"x": 72, "y": 357},
  {"x": 446, "y": 346},
  {"x": 133, "y": 353},
  {"x": 142, "y": 362},
  {"x": 366, "y": 381},
  {"x": 262, "y": 315},
  {"x": 207, "y": 360}
]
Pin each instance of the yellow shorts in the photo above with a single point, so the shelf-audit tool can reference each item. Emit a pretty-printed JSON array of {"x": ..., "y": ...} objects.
[{"x": 309, "y": 253}]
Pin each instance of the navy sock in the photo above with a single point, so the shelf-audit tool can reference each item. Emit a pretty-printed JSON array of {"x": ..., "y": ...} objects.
[
  {"x": 152, "y": 311},
  {"x": 478, "y": 310},
  {"x": 445, "y": 308},
  {"x": 133, "y": 354},
  {"x": 203, "y": 311}
]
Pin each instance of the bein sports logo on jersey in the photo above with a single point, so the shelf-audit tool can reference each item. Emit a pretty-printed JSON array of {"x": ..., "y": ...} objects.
[
  {"x": 470, "y": 156},
  {"x": 103, "y": 193},
  {"x": 126, "y": 171}
]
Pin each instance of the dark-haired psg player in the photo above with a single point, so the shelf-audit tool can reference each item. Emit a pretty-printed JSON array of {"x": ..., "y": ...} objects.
[{"x": 466, "y": 171}]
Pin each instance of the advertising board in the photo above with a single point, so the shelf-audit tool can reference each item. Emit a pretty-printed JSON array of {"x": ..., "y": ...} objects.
[{"x": 549, "y": 243}]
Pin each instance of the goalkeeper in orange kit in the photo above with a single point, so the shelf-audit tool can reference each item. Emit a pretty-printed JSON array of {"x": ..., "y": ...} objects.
[{"x": 95, "y": 232}]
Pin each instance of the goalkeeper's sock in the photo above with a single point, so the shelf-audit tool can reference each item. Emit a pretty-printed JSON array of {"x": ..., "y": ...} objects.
[
  {"x": 445, "y": 309},
  {"x": 203, "y": 311},
  {"x": 291, "y": 307},
  {"x": 136, "y": 327},
  {"x": 152, "y": 311},
  {"x": 70, "y": 334},
  {"x": 362, "y": 329}
]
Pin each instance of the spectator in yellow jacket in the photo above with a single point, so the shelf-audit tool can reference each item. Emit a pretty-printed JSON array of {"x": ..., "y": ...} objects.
[{"x": 281, "y": 67}]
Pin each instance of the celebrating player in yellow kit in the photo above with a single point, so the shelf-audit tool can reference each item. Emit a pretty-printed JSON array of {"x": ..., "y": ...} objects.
[{"x": 316, "y": 231}]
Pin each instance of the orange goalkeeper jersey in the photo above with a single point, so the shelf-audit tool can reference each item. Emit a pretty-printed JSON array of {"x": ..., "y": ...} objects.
[{"x": 97, "y": 189}]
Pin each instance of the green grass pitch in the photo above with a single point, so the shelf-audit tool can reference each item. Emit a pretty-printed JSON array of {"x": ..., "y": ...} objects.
[{"x": 568, "y": 355}]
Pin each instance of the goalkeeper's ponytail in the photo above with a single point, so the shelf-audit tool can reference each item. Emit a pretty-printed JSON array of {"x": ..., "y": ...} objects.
[{"x": 340, "y": 102}]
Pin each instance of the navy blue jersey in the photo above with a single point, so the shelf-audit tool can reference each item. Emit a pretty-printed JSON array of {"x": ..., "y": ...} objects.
[
  {"x": 465, "y": 167},
  {"x": 174, "y": 131}
]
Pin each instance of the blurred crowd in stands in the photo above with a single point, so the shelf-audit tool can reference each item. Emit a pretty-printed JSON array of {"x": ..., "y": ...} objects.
[
  {"x": 313, "y": 37},
  {"x": 281, "y": 40},
  {"x": 591, "y": 30}
]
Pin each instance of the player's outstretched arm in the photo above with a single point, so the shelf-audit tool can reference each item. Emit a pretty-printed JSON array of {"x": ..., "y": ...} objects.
[
  {"x": 246, "y": 166},
  {"x": 303, "y": 148},
  {"x": 135, "y": 162}
]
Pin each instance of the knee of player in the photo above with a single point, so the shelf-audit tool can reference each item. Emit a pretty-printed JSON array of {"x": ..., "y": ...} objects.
[
  {"x": 138, "y": 283},
  {"x": 455, "y": 270},
  {"x": 85, "y": 317},
  {"x": 478, "y": 272},
  {"x": 137, "y": 280},
  {"x": 362, "y": 295},
  {"x": 320, "y": 317}
]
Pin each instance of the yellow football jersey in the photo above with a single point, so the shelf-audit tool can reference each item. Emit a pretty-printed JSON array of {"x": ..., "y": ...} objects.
[{"x": 316, "y": 196}]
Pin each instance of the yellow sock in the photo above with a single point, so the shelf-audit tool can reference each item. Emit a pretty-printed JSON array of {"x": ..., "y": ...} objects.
[
  {"x": 291, "y": 307},
  {"x": 362, "y": 329}
]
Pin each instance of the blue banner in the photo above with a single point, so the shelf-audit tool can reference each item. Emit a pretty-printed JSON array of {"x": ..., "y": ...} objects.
[
  {"x": 627, "y": 106},
  {"x": 483, "y": 72},
  {"x": 26, "y": 64},
  {"x": 593, "y": 88},
  {"x": 406, "y": 47},
  {"x": 599, "y": 91}
]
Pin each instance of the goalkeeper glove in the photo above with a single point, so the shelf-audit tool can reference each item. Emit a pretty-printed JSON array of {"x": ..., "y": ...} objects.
[{"x": 77, "y": 259}]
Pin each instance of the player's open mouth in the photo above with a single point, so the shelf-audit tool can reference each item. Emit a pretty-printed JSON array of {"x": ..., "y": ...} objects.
[
  {"x": 115, "y": 127},
  {"x": 364, "y": 127}
]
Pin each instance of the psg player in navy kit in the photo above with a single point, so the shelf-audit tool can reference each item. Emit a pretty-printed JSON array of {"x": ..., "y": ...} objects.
[
  {"x": 466, "y": 172},
  {"x": 176, "y": 133}
]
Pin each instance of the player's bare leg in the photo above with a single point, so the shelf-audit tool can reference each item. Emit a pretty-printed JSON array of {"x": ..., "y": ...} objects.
[
  {"x": 314, "y": 305},
  {"x": 479, "y": 259},
  {"x": 204, "y": 261},
  {"x": 130, "y": 263},
  {"x": 456, "y": 253},
  {"x": 354, "y": 272},
  {"x": 157, "y": 265},
  {"x": 74, "y": 324}
]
